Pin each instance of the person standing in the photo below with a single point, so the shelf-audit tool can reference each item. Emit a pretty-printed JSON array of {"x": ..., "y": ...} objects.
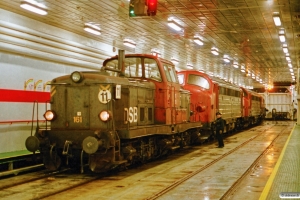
[{"x": 219, "y": 127}]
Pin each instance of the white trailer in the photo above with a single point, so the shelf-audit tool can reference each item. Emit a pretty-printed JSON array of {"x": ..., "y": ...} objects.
[{"x": 280, "y": 105}]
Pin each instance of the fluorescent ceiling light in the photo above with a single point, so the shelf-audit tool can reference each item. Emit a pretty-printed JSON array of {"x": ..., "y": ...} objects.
[
  {"x": 174, "y": 60},
  {"x": 291, "y": 70},
  {"x": 129, "y": 43},
  {"x": 290, "y": 65},
  {"x": 288, "y": 58},
  {"x": 189, "y": 66},
  {"x": 235, "y": 65},
  {"x": 285, "y": 49},
  {"x": 198, "y": 41},
  {"x": 281, "y": 37},
  {"x": 92, "y": 29},
  {"x": 155, "y": 52},
  {"x": 214, "y": 51},
  {"x": 276, "y": 18},
  {"x": 226, "y": 59},
  {"x": 174, "y": 25},
  {"x": 34, "y": 6}
]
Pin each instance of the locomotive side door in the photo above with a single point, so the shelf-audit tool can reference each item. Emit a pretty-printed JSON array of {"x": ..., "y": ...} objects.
[{"x": 173, "y": 93}]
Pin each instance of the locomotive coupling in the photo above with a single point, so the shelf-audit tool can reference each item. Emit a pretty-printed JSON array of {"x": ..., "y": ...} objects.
[{"x": 90, "y": 144}]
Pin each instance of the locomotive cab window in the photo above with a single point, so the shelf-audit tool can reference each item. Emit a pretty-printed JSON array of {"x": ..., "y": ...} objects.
[
  {"x": 151, "y": 69},
  {"x": 170, "y": 73},
  {"x": 133, "y": 67},
  {"x": 180, "y": 78},
  {"x": 113, "y": 64},
  {"x": 199, "y": 81}
]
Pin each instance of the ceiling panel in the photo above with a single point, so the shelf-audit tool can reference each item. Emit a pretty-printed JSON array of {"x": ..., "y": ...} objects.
[{"x": 242, "y": 29}]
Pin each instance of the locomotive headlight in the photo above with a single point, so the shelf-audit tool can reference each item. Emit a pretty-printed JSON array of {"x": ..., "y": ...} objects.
[
  {"x": 49, "y": 115},
  {"x": 77, "y": 77},
  {"x": 104, "y": 115}
]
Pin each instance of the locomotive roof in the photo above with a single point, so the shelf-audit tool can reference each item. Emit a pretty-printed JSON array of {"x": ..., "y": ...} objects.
[
  {"x": 251, "y": 92},
  {"x": 215, "y": 80},
  {"x": 141, "y": 55},
  {"x": 223, "y": 83}
]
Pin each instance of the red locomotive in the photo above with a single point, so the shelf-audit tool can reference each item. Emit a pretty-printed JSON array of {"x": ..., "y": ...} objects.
[
  {"x": 133, "y": 110},
  {"x": 239, "y": 107}
]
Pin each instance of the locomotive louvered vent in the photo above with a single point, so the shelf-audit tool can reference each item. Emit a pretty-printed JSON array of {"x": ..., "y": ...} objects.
[
  {"x": 142, "y": 114},
  {"x": 150, "y": 114}
]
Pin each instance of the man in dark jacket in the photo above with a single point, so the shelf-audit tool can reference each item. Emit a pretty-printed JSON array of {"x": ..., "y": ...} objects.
[{"x": 219, "y": 128}]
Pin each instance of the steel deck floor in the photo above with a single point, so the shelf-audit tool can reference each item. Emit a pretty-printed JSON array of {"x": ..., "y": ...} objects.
[{"x": 285, "y": 177}]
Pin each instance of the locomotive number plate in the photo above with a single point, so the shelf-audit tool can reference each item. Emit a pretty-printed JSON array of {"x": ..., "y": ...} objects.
[
  {"x": 104, "y": 94},
  {"x": 77, "y": 119}
]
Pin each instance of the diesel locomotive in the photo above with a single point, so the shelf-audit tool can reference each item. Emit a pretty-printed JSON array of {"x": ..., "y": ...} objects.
[
  {"x": 132, "y": 110},
  {"x": 239, "y": 107}
]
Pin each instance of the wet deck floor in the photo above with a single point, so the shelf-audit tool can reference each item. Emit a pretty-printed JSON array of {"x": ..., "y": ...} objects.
[
  {"x": 211, "y": 183},
  {"x": 238, "y": 171}
]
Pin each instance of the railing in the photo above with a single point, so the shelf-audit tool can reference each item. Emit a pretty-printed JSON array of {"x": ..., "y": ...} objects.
[{"x": 21, "y": 121}]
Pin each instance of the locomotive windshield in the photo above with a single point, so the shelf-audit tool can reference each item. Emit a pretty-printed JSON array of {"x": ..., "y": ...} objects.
[
  {"x": 137, "y": 67},
  {"x": 170, "y": 73},
  {"x": 199, "y": 81}
]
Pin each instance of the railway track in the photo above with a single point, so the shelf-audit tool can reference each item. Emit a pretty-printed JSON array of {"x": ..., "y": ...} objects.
[
  {"x": 40, "y": 185},
  {"x": 155, "y": 180}
]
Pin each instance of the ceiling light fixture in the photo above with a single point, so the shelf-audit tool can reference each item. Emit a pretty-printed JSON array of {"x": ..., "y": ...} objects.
[
  {"x": 129, "y": 43},
  {"x": 214, "y": 51},
  {"x": 226, "y": 59},
  {"x": 235, "y": 64},
  {"x": 34, "y": 6},
  {"x": 198, "y": 41},
  {"x": 174, "y": 60},
  {"x": 276, "y": 18},
  {"x": 174, "y": 25},
  {"x": 282, "y": 37},
  {"x": 92, "y": 29},
  {"x": 189, "y": 66},
  {"x": 285, "y": 49},
  {"x": 155, "y": 52},
  {"x": 288, "y": 58}
]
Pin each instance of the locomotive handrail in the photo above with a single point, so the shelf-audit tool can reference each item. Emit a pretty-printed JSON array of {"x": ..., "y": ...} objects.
[
  {"x": 112, "y": 69},
  {"x": 20, "y": 121}
]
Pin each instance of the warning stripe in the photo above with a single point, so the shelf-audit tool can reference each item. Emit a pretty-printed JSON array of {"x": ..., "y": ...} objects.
[{"x": 7, "y": 95}]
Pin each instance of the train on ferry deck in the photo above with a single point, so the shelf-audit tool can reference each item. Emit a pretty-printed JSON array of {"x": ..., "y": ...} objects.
[
  {"x": 133, "y": 110},
  {"x": 240, "y": 107}
]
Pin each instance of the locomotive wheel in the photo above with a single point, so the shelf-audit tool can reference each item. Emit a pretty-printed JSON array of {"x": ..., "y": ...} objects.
[
  {"x": 100, "y": 161},
  {"x": 53, "y": 163}
]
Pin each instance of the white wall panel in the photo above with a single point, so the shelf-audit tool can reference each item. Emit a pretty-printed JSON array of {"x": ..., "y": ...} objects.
[{"x": 32, "y": 50}]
